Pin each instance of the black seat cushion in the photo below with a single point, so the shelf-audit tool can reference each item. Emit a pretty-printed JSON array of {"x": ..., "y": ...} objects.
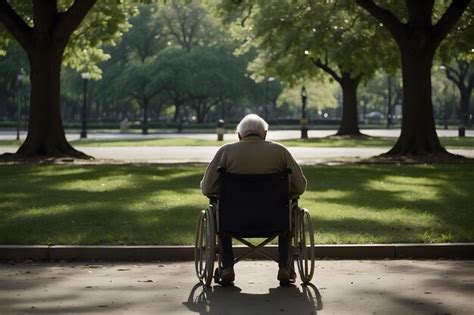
[{"x": 254, "y": 205}]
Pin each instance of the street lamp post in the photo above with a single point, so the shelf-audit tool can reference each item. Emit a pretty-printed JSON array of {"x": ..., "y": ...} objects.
[
  {"x": 85, "y": 78},
  {"x": 19, "y": 79},
  {"x": 267, "y": 96},
  {"x": 304, "y": 121}
]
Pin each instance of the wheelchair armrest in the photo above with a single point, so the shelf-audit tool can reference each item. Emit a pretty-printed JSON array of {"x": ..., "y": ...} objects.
[
  {"x": 214, "y": 198},
  {"x": 294, "y": 197},
  {"x": 294, "y": 200}
]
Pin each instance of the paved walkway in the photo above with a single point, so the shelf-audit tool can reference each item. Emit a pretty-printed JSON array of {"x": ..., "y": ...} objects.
[
  {"x": 339, "y": 287},
  {"x": 273, "y": 135},
  {"x": 180, "y": 154}
]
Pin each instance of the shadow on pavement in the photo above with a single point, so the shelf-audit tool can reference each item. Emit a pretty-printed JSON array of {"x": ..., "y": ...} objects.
[{"x": 231, "y": 300}]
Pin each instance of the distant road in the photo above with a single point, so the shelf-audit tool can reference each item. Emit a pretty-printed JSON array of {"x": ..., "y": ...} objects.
[
  {"x": 272, "y": 134},
  {"x": 203, "y": 154}
]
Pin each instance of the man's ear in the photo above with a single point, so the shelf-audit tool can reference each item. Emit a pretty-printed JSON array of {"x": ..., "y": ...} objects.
[
  {"x": 240, "y": 137},
  {"x": 265, "y": 135}
]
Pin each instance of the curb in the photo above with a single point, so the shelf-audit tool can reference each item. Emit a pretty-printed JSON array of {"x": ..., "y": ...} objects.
[{"x": 186, "y": 253}]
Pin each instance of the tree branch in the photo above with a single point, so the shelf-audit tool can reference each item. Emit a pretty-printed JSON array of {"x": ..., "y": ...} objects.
[
  {"x": 458, "y": 81},
  {"x": 70, "y": 20},
  {"x": 450, "y": 71},
  {"x": 242, "y": 23},
  {"x": 318, "y": 63},
  {"x": 450, "y": 75},
  {"x": 449, "y": 19},
  {"x": 15, "y": 25},
  {"x": 387, "y": 18}
]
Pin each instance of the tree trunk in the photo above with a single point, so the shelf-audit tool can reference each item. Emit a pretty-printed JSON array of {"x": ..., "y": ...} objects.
[
  {"x": 44, "y": 43},
  {"x": 199, "y": 112},
  {"x": 417, "y": 39},
  {"x": 464, "y": 103},
  {"x": 177, "y": 107},
  {"x": 145, "y": 102},
  {"x": 389, "y": 101},
  {"x": 418, "y": 135},
  {"x": 464, "y": 80},
  {"x": 46, "y": 135},
  {"x": 349, "y": 123}
]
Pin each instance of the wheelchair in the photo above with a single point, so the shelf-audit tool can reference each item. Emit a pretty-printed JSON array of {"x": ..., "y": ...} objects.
[{"x": 253, "y": 206}]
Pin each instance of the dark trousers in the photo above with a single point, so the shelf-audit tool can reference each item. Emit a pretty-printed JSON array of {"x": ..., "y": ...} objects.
[{"x": 283, "y": 250}]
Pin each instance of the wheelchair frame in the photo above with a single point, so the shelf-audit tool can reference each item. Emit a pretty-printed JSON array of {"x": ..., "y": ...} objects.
[{"x": 208, "y": 246}]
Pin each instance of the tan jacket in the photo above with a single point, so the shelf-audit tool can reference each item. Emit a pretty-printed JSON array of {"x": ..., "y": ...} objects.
[{"x": 252, "y": 155}]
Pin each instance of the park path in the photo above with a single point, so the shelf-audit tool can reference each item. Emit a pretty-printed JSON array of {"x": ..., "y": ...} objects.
[
  {"x": 338, "y": 287},
  {"x": 303, "y": 155},
  {"x": 273, "y": 135},
  {"x": 204, "y": 154}
]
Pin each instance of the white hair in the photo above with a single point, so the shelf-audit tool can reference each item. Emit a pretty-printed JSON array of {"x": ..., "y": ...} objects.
[{"x": 252, "y": 124}]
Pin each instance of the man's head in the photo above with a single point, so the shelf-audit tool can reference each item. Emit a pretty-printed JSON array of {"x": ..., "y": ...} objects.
[{"x": 252, "y": 124}]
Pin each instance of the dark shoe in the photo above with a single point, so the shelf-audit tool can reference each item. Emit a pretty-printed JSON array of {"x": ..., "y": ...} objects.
[
  {"x": 227, "y": 276},
  {"x": 284, "y": 277},
  {"x": 292, "y": 275}
]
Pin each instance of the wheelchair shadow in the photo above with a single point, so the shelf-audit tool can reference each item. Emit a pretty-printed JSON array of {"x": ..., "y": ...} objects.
[{"x": 304, "y": 299}]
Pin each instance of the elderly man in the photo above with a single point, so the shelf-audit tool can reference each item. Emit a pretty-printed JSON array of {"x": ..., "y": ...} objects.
[{"x": 253, "y": 155}]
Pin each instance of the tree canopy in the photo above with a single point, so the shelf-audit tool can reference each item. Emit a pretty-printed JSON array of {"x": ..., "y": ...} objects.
[{"x": 297, "y": 41}]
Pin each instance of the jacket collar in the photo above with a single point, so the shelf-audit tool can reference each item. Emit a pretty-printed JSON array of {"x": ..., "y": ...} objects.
[{"x": 252, "y": 137}]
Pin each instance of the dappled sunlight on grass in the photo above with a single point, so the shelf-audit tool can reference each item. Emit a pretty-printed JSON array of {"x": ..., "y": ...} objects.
[
  {"x": 96, "y": 185},
  {"x": 379, "y": 204},
  {"x": 149, "y": 204},
  {"x": 408, "y": 189}
]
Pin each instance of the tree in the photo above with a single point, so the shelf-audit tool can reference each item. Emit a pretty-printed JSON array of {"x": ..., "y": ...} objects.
[
  {"x": 204, "y": 78},
  {"x": 49, "y": 30},
  {"x": 293, "y": 40},
  {"x": 462, "y": 75},
  {"x": 10, "y": 66},
  {"x": 417, "y": 39},
  {"x": 185, "y": 22},
  {"x": 140, "y": 47},
  {"x": 456, "y": 55}
]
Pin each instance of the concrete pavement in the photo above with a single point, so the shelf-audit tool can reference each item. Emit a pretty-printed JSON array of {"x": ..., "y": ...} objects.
[
  {"x": 338, "y": 287},
  {"x": 204, "y": 154},
  {"x": 273, "y": 135}
]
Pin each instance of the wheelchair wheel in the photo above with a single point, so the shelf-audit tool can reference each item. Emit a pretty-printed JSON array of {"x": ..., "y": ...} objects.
[
  {"x": 204, "y": 249},
  {"x": 304, "y": 245}
]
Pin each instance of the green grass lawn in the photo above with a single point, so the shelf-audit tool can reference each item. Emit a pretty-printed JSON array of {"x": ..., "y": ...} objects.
[
  {"x": 450, "y": 142},
  {"x": 132, "y": 204}
]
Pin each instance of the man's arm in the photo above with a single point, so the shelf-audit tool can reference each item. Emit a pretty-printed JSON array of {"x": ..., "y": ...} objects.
[
  {"x": 297, "y": 178},
  {"x": 210, "y": 181}
]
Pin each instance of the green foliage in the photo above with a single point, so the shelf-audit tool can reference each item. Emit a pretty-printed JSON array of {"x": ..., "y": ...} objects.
[
  {"x": 458, "y": 43},
  {"x": 168, "y": 58},
  {"x": 103, "y": 25},
  {"x": 291, "y": 35}
]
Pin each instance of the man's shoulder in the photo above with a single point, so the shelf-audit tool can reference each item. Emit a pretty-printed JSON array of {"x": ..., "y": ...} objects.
[
  {"x": 277, "y": 146},
  {"x": 229, "y": 145}
]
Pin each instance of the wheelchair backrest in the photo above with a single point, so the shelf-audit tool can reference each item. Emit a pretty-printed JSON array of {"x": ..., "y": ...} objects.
[{"x": 254, "y": 205}]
